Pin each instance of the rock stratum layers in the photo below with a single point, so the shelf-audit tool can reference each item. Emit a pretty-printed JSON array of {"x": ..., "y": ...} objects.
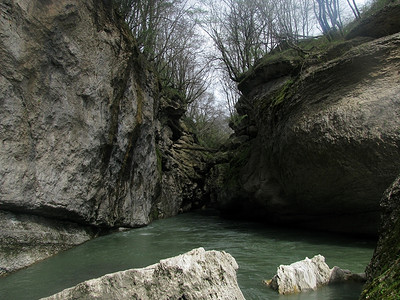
[
  {"x": 321, "y": 137},
  {"x": 198, "y": 274},
  {"x": 85, "y": 130}
]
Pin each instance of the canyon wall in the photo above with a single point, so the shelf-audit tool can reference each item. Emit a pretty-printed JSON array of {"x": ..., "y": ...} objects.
[
  {"x": 317, "y": 136},
  {"x": 88, "y": 139}
]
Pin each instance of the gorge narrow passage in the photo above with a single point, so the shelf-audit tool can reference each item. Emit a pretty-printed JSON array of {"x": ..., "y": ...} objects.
[{"x": 257, "y": 249}]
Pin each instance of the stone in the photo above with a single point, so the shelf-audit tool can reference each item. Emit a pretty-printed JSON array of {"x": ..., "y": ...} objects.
[
  {"x": 383, "y": 272},
  {"x": 82, "y": 123},
  {"x": 381, "y": 23},
  {"x": 198, "y": 274},
  {"x": 327, "y": 143},
  {"x": 309, "y": 274},
  {"x": 304, "y": 275},
  {"x": 26, "y": 239}
]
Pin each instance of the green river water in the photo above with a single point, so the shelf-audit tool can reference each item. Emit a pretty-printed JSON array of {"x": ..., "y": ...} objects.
[{"x": 257, "y": 249}]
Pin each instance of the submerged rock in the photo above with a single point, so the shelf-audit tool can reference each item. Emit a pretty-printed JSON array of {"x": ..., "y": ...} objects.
[
  {"x": 198, "y": 274},
  {"x": 309, "y": 274}
]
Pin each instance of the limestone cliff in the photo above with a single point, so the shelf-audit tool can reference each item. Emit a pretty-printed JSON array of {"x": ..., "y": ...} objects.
[
  {"x": 384, "y": 269},
  {"x": 321, "y": 136},
  {"x": 83, "y": 128}
]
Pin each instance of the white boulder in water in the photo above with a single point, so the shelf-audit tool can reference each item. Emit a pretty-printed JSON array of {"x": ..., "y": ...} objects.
[
  {"x": 309, "y": 274},
  {"x": 198, "y": 274}
]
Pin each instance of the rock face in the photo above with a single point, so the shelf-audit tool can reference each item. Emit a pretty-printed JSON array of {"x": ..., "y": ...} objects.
[
  {"x": 383, "y": 272},
  {"x": 25, "y": 239},
  {"x": 327, "y": 138},
  {"x": 198, "y": 274},
  {"x": 83, "y": 120},
  {"x": 309, "y": 274}
]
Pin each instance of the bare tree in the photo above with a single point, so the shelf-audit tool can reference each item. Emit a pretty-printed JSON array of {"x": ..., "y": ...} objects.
[
  {"x": 328, "y": 16},
  {"x": 208, "y": 121},
  {"x": 236, "y": 29},
  {"x": 166, "y": 34},
  {"x": 354, "y": 8}
]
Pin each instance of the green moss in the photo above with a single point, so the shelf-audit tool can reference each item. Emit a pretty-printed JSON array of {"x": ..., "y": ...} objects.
[
  {"x": 283, "y": 93},
  {"x": 159, "y": 161},
  {"x": 386, "y": 282},
  {"x": 385, "y": 286},
  {"x": 239, "y": 159}
]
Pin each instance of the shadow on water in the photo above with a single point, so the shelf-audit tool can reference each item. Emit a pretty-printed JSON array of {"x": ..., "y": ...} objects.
[{"x": 257, "y": 248}]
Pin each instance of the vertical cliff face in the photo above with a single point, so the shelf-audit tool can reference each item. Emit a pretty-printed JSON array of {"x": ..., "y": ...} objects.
[
  {"x": 79, "y": 111},
  {"x": 384, "y": 269},
  {"x": 324, "y": 136},
  {"x": 77, "y": 115}
]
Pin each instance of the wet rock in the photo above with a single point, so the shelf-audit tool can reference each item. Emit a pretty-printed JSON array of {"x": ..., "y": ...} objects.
[
  {"x": 198, "y": 274},
  {"x": 25, "y": 239},
  {"x": 309, "y": 274}
]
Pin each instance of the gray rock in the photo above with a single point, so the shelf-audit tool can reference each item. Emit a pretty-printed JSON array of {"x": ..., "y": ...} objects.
[
  {"x": 25, "y": 239},
  {"x": 76, "y": 115},
  {"x": 304, "y": 275},
  {"x": 339, "y": 275},
  {"x": 80, "y": 121},
  {"x": 198, "y": 274},
  {"x": 383, "y": 271},
  {"x": 309, "y": 274},
  {"x": 327, "y": 145}
]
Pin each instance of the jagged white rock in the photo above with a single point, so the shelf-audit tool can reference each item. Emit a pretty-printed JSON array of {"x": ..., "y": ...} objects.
[
  {"x": 198, "y": 274},
  {"x": 308, "y": 274}
]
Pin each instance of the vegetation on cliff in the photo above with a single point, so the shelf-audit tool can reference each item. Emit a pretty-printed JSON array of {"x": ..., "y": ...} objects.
[{"x": 384, "y": 269}]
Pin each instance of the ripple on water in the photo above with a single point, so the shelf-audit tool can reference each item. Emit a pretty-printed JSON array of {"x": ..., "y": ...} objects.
[{"x": 257, "y": 249}]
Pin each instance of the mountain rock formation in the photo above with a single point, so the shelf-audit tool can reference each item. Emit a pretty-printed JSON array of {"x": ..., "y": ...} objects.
[
  {"x": 319, "y": 137},
  {"x": 88, "y": 139},
  {"x": 383, "y": 272}
]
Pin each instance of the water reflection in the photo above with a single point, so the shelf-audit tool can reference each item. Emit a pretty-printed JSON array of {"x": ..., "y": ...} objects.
[{"x": 257, "y": 249}]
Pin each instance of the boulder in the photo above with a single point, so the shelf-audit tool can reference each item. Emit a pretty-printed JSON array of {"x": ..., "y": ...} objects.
[
  {"x": 198, "y": 274},
  {"x": 309, "y": 274}
]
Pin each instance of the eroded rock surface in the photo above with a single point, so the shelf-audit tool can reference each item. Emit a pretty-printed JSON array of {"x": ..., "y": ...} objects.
[
  {"x": 84, "y": 127},
  {"x": 198, "y": 274},
  {"x": 26, "y": 239},
  {"x": 327, "y": 141},
  {"x": 383, "y": 272},
  {"x": 309, "y": 274}
]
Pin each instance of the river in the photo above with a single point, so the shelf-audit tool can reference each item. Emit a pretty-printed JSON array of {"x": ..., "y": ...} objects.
[{"x": 258, "y": 249}]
